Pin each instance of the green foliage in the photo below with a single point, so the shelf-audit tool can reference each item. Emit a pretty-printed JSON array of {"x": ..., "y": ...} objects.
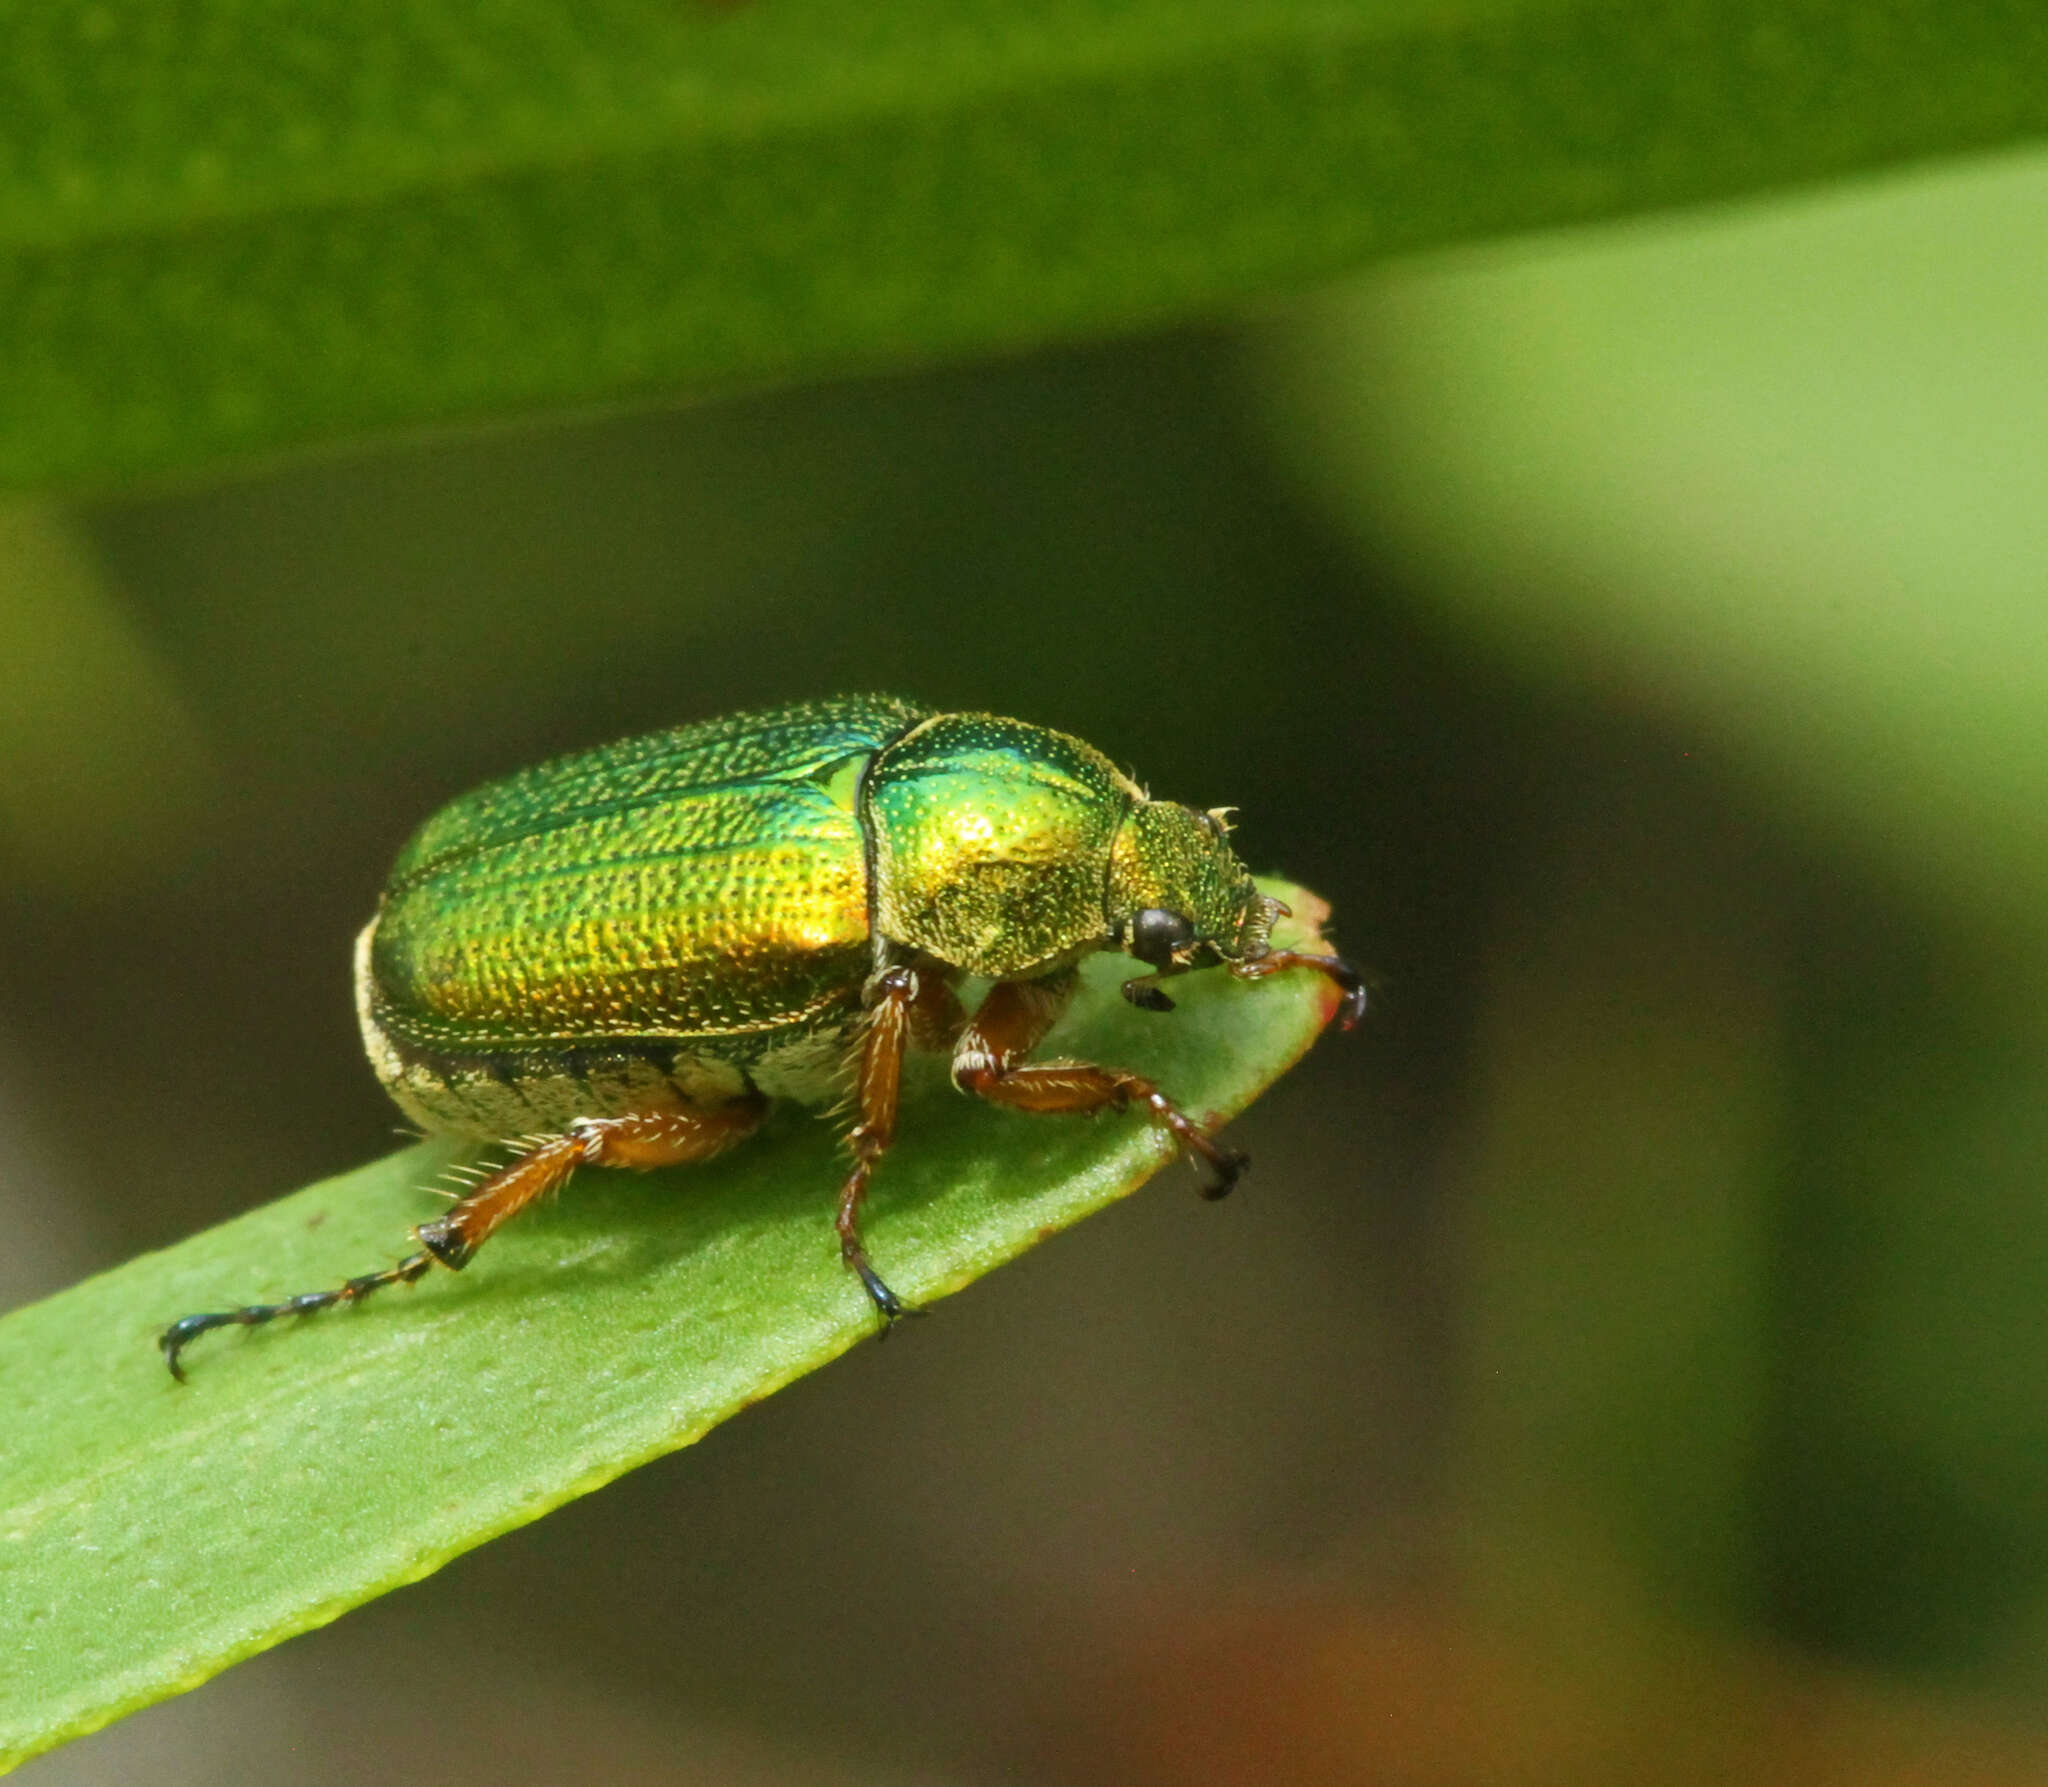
[
  {"x": 150, "y": 1535},
  {"x": 227, "y": 228}
]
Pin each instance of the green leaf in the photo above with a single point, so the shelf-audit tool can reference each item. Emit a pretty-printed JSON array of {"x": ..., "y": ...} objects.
[
  {"x": 228, "y": 227},
  {"x": 151, "y": 1535}
]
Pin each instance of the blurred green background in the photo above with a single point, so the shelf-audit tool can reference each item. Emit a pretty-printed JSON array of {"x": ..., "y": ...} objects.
[{"x": 1627, "y": 1363}]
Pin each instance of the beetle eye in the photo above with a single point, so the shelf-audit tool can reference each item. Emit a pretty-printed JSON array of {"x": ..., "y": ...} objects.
[{"x": 1157, "y": 933}]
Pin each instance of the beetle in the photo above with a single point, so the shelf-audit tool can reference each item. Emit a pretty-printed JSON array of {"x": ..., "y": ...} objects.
[{"x": 623, "y": 956}]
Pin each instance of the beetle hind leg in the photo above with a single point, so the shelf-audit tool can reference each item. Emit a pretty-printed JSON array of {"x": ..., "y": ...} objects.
[
  {"x": 186, "y": 1329},
  {"x": 640, "y": 1140}
]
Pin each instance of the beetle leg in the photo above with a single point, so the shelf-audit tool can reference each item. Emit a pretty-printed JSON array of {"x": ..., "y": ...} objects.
[
  {"x": 1013, "y": 1018},
  {"x": 641, "y": 1140},
  {"x": 186, "y": 1329},
  {"x": 1349, "y": 981},
  {"x": 896, "y": 997}
]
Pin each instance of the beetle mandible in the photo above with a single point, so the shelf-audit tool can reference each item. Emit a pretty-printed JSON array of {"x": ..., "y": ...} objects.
[{"x": 626, "y": 954}]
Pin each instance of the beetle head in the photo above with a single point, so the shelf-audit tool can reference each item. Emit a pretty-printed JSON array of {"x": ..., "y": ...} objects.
[{"x": 1179, "y": 898}]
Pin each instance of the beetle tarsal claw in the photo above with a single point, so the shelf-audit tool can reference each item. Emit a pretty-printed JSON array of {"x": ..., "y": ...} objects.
[
  {"x": 888, "y": 1306},
  {"x": 171, "y": 1342},
  {"x": 1144, "y": 993},
  {"x": 1229, "y": 1165}
]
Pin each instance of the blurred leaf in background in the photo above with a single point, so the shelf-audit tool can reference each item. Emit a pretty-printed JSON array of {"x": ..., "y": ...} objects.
[
  {"x": 104, "y": 771},
  {"x": 224, "y": 231},
  {"x": 1779, "y": 477}
]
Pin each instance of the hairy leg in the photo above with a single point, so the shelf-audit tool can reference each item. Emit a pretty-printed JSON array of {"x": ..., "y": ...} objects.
[
  {"x": 642, "y": 1140},
  {"x": 904, "y": 1006}
]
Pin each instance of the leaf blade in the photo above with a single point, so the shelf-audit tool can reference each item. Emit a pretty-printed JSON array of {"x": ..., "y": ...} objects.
[{"x": 151, "y": 1537}]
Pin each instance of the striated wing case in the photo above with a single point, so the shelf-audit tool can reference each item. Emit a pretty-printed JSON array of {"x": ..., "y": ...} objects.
[{"x": 703, "y": 882}]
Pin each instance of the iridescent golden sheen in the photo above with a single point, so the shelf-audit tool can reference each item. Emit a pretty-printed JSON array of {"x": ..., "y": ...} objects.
[
  {"x": 1174, "y": 858},
  {"x": 691, "y": 917},
  {"x": 992, "y": 842},
  {"x": 707, "y": 881}
]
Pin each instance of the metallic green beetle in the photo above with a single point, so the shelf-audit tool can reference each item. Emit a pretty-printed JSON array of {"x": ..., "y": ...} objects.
[{"x": 624, "y": 955}]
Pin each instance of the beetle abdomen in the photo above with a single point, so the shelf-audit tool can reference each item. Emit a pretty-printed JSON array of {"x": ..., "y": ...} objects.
[
  {"x": 697, "y": 887},
  {"x": 519, "y": 1093}
]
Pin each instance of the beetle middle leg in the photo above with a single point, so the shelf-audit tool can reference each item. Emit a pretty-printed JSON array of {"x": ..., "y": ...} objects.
[
  {"x": 1014, "y": 1018},
  {"x": 904, "y": 1006},
  {"x": 641, "y": 1140}
]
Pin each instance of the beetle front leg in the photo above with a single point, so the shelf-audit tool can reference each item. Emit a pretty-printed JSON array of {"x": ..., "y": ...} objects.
[
  {"x": 1013, "y": 1019},
  {"x": 1348, "y": 980},
  {"x": 641, "y": 1140}
]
